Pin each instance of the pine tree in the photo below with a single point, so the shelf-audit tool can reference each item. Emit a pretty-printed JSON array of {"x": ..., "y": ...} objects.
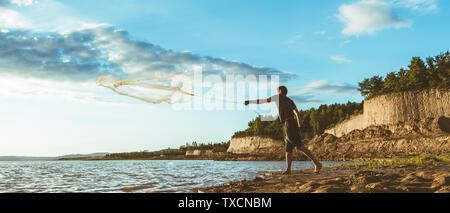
[
  {"x": 391, "y": 83},
  {"x": 417, "y": 75}
]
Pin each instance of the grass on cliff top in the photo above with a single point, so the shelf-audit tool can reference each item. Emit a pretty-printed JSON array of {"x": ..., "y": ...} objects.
[{"x": 420, "y": 160}]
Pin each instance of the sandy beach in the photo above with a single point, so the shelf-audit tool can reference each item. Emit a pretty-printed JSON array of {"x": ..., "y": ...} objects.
[{"x": 364, "y": 178}]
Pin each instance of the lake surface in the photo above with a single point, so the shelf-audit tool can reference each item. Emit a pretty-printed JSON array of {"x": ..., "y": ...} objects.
[{"x": 129, "y": 176}]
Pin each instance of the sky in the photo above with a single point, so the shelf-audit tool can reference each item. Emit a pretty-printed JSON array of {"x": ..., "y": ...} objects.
[{"x": 53, "y": 51}]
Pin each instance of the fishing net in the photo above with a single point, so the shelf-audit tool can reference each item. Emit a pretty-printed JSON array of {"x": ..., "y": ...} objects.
[{"x": 151, "y": 89}]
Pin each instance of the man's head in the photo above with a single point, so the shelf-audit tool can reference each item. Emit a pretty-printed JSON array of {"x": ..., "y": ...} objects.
[{"x": 282, "y": 90}]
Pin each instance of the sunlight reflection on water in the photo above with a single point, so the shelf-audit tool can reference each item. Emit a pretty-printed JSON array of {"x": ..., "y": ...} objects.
[{"x": 129, "y": 176}]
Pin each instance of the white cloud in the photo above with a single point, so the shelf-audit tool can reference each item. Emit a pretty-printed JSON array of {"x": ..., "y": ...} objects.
[
  {"x": 312, "y": 92},
  {"x": 22, "y": 2},
  {"x": 47, "y": 16},
  {"x": 323, "y": 86},
  {"x": 19, "y": 3},
  {"x": 424, "y": 6},
  {"x": 369, "y": 16},
  {"x": 12, "y": 19},
  {"x": 340, "y": 59}
]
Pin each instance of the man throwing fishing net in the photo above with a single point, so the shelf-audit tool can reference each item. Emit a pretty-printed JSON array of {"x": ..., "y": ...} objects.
[{"x": 286, "y": 111}]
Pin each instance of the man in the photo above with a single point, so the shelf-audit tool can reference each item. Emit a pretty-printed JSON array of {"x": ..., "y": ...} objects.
[{"x": 286, "y": 111}]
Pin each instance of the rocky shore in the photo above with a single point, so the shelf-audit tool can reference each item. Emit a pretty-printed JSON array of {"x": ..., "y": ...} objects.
[{"x": 377, "y": 177}]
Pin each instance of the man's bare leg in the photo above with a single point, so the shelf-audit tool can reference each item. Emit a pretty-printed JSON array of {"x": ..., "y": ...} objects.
[
  {"x": 288, "y": 163},
  {"x": 317, "y": 164}
]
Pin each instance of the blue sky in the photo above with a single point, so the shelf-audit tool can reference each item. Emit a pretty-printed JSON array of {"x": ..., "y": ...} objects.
[{"x": 53, "y": 51}]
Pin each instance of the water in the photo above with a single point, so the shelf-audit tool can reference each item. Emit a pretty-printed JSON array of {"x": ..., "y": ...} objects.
[{"x": 128, "y": 176}]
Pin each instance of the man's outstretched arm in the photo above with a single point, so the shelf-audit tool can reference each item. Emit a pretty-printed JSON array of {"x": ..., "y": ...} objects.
[
  {"x": 297, "y": 115},
  {"x": 258, "y": 101}
]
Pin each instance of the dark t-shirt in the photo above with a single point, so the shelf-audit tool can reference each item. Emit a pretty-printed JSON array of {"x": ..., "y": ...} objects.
[{"x": 285, "y": 106}]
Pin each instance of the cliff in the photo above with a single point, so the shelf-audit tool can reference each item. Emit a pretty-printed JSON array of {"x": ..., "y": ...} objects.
[
  {"x": 255, "y": 145},
  {"x": 397, "y": 108},
  {"x": 257, "y": 148}
]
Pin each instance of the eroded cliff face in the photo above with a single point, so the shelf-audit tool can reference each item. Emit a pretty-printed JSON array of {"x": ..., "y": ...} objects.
[
  {"x": 407, "y": 106},
  {"x": 257, "y": 149},
  {"x": 255, "y": 145},
  {"x": 397, "y": 108}
]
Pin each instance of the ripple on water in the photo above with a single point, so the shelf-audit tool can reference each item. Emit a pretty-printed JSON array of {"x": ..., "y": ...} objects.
[
  {"x": 127, "y": 176},
  {"x": 139, "y": 187}
]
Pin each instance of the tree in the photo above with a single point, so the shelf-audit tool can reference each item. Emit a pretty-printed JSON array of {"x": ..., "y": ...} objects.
[
  {"x": 434, "y": 74},
  {"x": 417, "y": 75},
  {"x": 371, "y": 87},
  {"x": 442, "y": 70},
  {"x": 376, "y": 85},
  {"x": 391, "y": 83},
  {"x": 364, "y": 87}
]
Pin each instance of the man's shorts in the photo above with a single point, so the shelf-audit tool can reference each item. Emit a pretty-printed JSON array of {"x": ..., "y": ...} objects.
[{"x": 292, "y": 133}]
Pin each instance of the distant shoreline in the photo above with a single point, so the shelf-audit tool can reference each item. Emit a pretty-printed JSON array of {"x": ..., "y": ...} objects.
[
  {"x": 71, "y": 156},
  {"x": 225, "y": 157}
]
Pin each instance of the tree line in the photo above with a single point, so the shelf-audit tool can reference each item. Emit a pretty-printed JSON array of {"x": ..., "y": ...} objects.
[
  {"x": 434, "y": 72},
  {"x": 215, "y": 147},
  {"x": 223, "y": 146}
]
